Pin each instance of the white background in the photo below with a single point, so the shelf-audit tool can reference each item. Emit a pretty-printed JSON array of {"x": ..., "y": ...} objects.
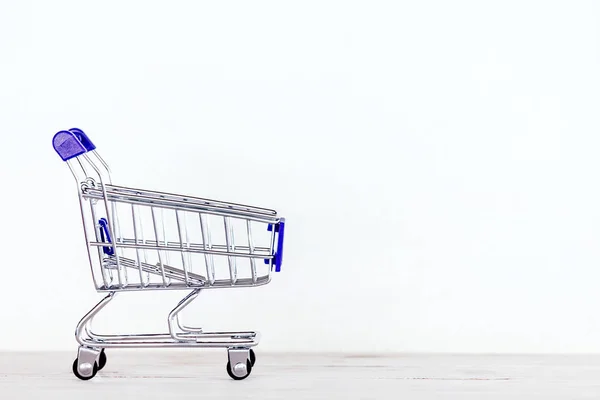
[{"x": 437, "y": 163}]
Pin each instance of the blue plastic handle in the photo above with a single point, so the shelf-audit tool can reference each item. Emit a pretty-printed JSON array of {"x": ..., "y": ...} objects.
[
  {"x": 71, "y": 143},
  {"x": 278, "y": 256},
  {"x": 104, "y": 231}
]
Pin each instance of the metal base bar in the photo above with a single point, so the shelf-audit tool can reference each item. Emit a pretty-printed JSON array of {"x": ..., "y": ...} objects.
[{"x": 179, "y": 335}]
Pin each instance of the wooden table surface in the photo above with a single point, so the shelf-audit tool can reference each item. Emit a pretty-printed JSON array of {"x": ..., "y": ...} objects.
[{"x": 167, "y": 374}]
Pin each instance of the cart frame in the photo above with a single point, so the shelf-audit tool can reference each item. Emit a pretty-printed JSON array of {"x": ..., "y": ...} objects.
[{"x": 117, "y": 258}]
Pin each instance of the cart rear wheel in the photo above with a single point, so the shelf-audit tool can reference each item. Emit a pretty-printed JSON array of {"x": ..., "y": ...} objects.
[
  {"x": 102, "y": 360},
  {"x": 252, "y": 357},
  {"x": 239, "y": 368},
  {"x": 84, "y": 378}
]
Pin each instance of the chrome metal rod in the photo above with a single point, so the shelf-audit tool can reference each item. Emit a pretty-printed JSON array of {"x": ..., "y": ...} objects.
[
  {"x": 110, "y": 216},
  {"x": 183, "y": 263},
  {"x": 175, "y": 285},
  {"x": 162, "y": 268},
  {"x": 251, "y": 249},
  {"x": 230, "y": 249},
  {"x": 173, "y": 314},
  {"x": 189, "y": 250},
  {"x": 184, "y": 328},
  {"x": 191, "y": 336},
  {"x": 208, "y": 259},
  {"x": 174, "y": 205},
  {"x": 176, "y": 246},
  {"x": 191, "y": 200},
  {"x": 99, "y": 249},
  {"x": 137, "y": 251},
  {"x": 87, "y": 318}
]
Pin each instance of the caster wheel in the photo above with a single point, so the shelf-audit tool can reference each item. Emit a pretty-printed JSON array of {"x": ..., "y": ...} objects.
[
  {"x": 238, "y": 374},
  {"x": 252, "y": 357},
  {"x": 84, "y": 378},
  {"x": 101, "y": 360}
]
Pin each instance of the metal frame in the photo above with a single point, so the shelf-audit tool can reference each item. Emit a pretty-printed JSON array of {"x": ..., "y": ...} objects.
[{"x": 130, "y": 262}]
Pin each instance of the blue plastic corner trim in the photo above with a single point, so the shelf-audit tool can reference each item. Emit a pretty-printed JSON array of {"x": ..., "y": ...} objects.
[
  {"x": 279, "y": 252},
  {"x": 278, "y": 256},
  {"x": 104, "y": 231},
  {"x": 83, "y": 138},
  {"x": 71, "y": 143}
]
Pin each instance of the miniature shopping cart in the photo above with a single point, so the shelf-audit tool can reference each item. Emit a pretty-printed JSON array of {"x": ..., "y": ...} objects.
[{"x": 142, "y": 240}]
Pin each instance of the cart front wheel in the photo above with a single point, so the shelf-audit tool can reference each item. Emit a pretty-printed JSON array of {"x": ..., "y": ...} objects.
[
  {"x": 102, "y": 360},
  {"x": 85, "y": 367},
  {"x": 239, "y": 370}
]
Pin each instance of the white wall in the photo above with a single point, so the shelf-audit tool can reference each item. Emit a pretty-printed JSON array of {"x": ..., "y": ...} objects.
[{"x": 436, "y": 161}]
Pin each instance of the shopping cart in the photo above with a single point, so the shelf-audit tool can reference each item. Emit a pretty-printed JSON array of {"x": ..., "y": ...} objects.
[{"x": 142, "y": 240}]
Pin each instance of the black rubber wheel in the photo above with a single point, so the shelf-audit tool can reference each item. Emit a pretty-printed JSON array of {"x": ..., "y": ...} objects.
[
  {"x": 252, "y": 357},
  {"x": 237, "y": 378},
  {"x": 84, "y": 378},
  {"x": 101, "y": 360}
]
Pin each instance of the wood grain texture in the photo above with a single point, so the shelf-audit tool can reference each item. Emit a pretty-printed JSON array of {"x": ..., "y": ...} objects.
[{"x": 162, "y": 374}]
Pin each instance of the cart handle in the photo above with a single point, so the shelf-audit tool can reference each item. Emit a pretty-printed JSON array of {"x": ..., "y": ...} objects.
[
  {"x": 72, "y": 143},
  {"x": 278, "y": 256}
]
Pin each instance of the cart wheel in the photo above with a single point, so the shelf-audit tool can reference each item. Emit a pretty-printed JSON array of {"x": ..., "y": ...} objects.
[
  {"x": 239, "y": 368},
  {"x": 101, "y": 360},
  {"x": 84, "y": 378},
  {"x": 252, "y": 357}
]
